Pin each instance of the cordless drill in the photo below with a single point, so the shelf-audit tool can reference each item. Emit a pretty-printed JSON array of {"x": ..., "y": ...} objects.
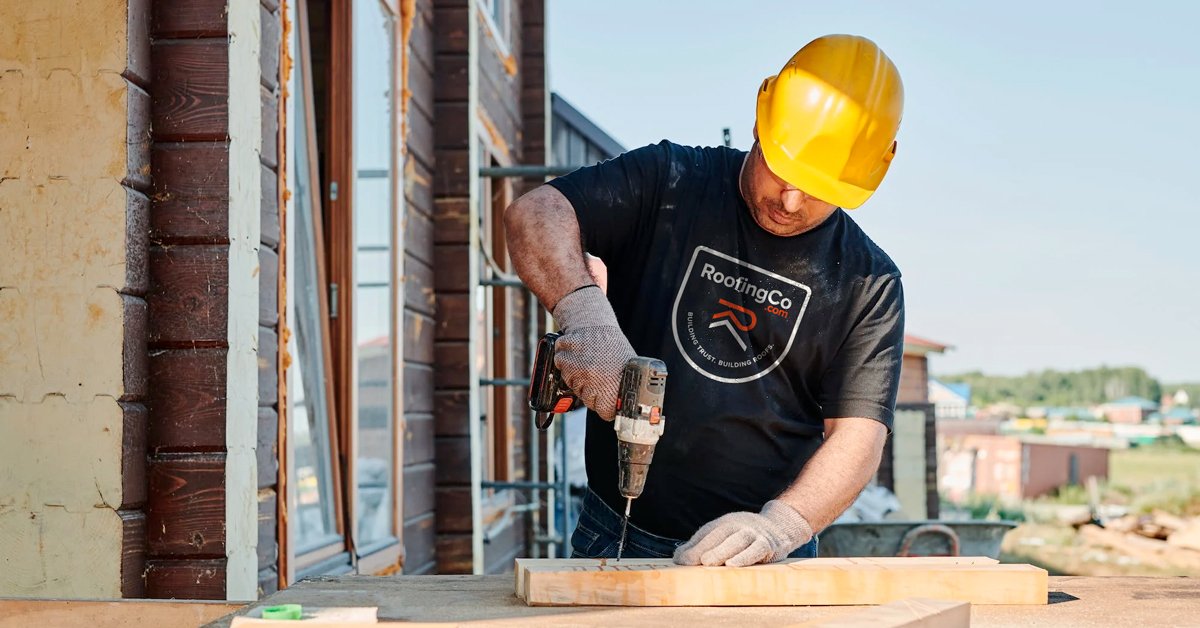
[{"x": 639, "y": 422}]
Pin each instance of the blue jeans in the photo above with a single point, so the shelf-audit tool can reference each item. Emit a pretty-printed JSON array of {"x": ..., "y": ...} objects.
[{"x": 598, "y": 533}]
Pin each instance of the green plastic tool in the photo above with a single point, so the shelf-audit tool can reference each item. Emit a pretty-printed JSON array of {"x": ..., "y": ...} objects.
[{"x": 283, "y": 611}]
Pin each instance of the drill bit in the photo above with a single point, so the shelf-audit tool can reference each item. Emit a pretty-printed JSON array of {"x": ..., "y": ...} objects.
[{"x": 624, "y": 528}]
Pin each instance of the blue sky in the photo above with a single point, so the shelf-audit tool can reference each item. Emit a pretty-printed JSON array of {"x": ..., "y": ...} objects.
[{"x": 1042, "y": 203}]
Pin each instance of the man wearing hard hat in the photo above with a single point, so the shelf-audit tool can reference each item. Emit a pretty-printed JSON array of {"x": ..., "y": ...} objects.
[{"x": 780, "y": 321}]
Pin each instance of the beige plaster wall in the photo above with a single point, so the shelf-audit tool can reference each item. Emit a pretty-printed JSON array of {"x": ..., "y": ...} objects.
[{"x": 66, "y": 147}]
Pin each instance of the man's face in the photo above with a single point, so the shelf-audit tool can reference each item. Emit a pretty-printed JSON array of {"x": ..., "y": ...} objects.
[{"x": 778, "y": 207}]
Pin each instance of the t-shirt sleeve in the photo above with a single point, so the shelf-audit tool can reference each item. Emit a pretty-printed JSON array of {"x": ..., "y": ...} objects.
[
  {"x": 618, "y": 199},
  {"x": 864, "y": 377}
]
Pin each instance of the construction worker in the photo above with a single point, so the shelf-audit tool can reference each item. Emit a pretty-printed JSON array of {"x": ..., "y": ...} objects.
[{"x": 780, "y": 321}]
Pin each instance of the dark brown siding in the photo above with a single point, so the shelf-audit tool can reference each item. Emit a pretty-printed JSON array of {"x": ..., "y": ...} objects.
[
  {"x": 135, "y": 365},
  {"x": 450, "y": 181},
  {"x": 187, "y": 300},
  {"x": 419, "y": 323}
]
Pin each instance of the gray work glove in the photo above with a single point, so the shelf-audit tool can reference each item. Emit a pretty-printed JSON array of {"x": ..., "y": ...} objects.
[
  {"x": 739, "y": 539},
  {"x": 592, "y": 351}
]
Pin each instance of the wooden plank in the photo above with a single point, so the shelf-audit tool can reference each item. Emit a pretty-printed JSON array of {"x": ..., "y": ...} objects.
[
  {"x": 452, "y": 167},
  {"x": 187, "y": 400},
  {"x": 451, "y": 360},
  {"x": 420, "y": 479},
  {"x": 190, "y": 193},
  {"x": 137, "y": 135},
  {"x": 418, "y": 234},
  {"x": 189, "y": 18},
  {"x": 269, "y": 207},
  {"x": 452, "y": 132},
  {"x": 268, "y": 547},
  {"x": 185, "y": 516},
  {"x": 134, "y": 419},
  {"x": 420, "y": 541},
  {"x": 453, "y": 317},
  {"x": 450, "y": 30},
  {"x": 270, "y": 128},
  {"x": 418, "y": 337},
  {"x": 133, "y": 553},
  {"x": 454, "y": 553},
  {"x": 814, "y": 582},
  {"x": 190, "y": 90},
  {"x": 271, "y": 47},
  {"x": 454, "y": 509},
  {"x": 268, "y": 289},
  {"x": 452, "y": 262},
  {"x": 418, "y": 440},
  {"x": 453, "y": 460},
  {"x": 186, "y": 579},
  {"x": 451, "y": 221},
  {"x": 418, "y": 285},
  {"x": 908, "y": 613},
  {"x": 420, "y": 42},
  {"x": 137, "y": 243},
  {"x": 267, "y": 450},
  {"x": 188, "y": 297},
  {"x": 418, "y": 388},
  {"x": 135, "y": 366},
  {"x": 268, "y": 371},
  {"x": 112, "y": 613},
  {"x": 450, "y": 408}
]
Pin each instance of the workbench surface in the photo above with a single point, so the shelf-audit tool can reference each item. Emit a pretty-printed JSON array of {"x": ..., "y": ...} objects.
[{"x": 1074, "y": 601}]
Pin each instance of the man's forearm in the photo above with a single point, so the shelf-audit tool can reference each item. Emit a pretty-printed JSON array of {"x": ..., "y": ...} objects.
[
  {"x": 837, "y": 472},
  {"x": 544, "y": 244}
]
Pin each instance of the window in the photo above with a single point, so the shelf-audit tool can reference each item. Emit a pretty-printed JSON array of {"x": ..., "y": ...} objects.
[
  {"x": 343, "y": 292},
  {"x": 498, "y": 18},
  {"x": 494, "y": 311},
  {"x": 373, "y": 269}
]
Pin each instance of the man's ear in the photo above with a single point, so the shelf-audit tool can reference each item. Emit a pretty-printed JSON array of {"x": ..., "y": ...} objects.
[{"x": 756, "y": 131}]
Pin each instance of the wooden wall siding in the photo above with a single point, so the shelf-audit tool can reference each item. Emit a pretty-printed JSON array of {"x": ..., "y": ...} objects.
[
  {"x": 499, "y": 111},
  {"x": 450, "y": 188},
  {"x": 187, "y": 299},
  {"x": 135, "y": 363},
  {"x": 419, "y": 304},
  {"x": 271, "y": 17}
]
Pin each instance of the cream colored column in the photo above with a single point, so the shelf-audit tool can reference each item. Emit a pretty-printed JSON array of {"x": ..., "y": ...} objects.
[{"x": 66, "y": 147}]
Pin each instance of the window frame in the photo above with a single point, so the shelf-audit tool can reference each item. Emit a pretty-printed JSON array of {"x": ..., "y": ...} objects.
[{"x": 335, "y": 250}]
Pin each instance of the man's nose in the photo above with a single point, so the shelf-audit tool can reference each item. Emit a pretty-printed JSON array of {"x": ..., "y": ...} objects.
[{"x": 792, "y": 200}]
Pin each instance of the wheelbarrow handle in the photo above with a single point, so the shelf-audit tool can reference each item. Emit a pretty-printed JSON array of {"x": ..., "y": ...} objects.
[{"x": 928, "y": 528}]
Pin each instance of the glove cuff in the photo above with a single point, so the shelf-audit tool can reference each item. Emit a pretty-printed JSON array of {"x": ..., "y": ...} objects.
[
  {"x": 585, "y": 307},
  {"x": 791, "y": 524}
]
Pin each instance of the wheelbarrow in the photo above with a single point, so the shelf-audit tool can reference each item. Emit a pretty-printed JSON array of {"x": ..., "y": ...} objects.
[{"x": 914, "y": 538}]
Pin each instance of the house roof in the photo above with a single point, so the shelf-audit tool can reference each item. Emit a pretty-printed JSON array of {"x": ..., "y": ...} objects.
[
  {"x": 1140, "y": 402},
  {"x": 916, "y": 345},
  {"x": 583, "y": 125},
  {"x": 961, "y": 390}
]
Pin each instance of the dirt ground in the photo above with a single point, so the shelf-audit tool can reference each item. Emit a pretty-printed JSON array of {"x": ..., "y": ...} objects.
[{"x": 1061, "y": 550}]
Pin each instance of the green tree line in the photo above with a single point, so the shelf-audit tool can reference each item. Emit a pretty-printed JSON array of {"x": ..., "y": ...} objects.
[{"x": 1066, "y": 388}]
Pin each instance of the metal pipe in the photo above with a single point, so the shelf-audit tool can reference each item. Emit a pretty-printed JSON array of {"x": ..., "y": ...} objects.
[
  {"x": 506, "y": 283},
  {"x": 526, "y": 171},
  {"x": 518, "y": 485},
  {"x": 503, "y": 382}
]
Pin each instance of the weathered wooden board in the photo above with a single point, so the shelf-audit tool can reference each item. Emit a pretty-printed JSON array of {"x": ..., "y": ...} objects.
[
  {"x": 815, "y": 582},
  {"x": 909, "y": 613}
]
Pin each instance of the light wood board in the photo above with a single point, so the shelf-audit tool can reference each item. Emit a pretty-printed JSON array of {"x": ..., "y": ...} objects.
[
  {"x": 795, "y": 582},
  {"x": 910, "y": 613},
  {"x": 111, "y": 613}
]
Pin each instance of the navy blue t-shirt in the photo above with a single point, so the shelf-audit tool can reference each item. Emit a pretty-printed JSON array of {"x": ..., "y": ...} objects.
[{"x": 764, "y": 336}]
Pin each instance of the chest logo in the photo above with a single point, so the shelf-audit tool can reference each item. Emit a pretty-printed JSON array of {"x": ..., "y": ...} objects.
[{"x": 735, "y": 322}]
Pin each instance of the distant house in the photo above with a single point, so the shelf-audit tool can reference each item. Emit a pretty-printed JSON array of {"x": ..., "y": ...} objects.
[
  {"x": 1128, "y": 410},
  {"x": 909, "y": 466},
  {"x": 950, "y": 401},
  {"x": 1014, "y": 468}
]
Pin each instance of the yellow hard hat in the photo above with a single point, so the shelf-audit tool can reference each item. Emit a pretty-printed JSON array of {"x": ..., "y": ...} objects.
[{"x": 827, "y": 122}]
